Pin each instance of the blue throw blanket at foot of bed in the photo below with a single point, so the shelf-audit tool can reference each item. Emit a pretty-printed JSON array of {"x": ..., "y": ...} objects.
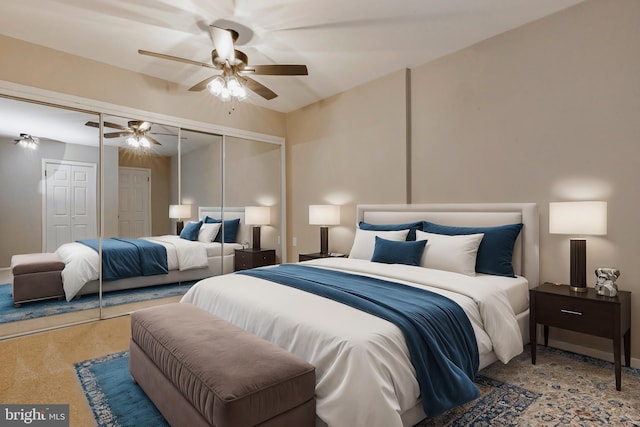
[
  {"x": 439, "y": 335},
  {"x": 123, "y": 258}
]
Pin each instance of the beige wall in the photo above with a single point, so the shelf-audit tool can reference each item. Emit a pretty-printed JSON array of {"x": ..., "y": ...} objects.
[
  {"x": 547, "y": 112},
  {"x": 345, "y": 150},
  {"x": 37, "y": 66}
]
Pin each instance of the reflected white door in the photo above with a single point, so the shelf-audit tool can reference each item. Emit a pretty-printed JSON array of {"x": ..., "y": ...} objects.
[
  {"x": 70, "y": 202},
  {"x": 134, "y": 207}
]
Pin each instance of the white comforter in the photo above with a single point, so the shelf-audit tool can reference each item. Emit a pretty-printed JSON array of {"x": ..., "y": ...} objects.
[
  {"x": 363, "y": 369},
  {"x": 81, "y": 262}
]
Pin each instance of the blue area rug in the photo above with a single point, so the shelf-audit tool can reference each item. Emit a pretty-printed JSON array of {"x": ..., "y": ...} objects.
[
  {"x": 116, "y": 400},
  {"x": 32, "y": 310}
]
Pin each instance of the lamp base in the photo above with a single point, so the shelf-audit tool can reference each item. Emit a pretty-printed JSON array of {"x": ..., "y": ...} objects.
[
  {"x": 179, "y": 227},
  {"x": 578, "y": 289}
]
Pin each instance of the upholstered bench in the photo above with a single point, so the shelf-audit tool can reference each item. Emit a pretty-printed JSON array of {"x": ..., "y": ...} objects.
[
  {"x": 36, "y": 277},
  {"x": 200, "y": 370}
]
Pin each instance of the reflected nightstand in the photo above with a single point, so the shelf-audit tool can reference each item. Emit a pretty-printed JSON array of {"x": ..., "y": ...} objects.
[{"x": 252, "y": 258}]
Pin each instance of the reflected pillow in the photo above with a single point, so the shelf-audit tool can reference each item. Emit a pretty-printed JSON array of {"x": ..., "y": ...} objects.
[
  {"x": 450, "y": 253},
  {"x": 394, "y": 252},
  {"x": 208, "y": 232},
  {"x": 411, "y": 226},
  {"x": 495, "y": 254},
  {"x": 190, "y": 231},
  {"x": 365, "y": 241},
  {"x": 230, "y": 229}
]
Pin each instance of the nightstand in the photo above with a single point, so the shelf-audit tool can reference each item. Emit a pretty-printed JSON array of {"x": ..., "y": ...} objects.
[
  {"x": 251, "y": 258},
  {"x": 588, "y": 312},
  {"x": 318, "y": 255}
]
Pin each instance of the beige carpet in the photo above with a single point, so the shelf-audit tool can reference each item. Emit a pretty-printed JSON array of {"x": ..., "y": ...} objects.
[{"x": 39, "y": 368}]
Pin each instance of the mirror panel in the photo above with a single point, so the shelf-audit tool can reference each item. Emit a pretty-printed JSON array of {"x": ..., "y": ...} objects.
[
  {"x": 201, "y": 176},
  {"x": 50, "y": 196},
  {"x": 253, "y": 178}
]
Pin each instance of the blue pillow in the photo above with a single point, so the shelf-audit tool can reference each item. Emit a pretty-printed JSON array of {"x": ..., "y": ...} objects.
[
  {"x": 190, "y": 231},
  {"x": 394, "y": 252},
  {"x": 411, "y": 226},
  {"x": 495, "y": 253},
  {"x": 230, "y": 229}
]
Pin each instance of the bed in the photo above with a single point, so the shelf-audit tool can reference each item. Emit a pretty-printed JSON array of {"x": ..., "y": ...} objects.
[
  {"x": 364, "y": 370},
  {"x": 186, "y": 260}
]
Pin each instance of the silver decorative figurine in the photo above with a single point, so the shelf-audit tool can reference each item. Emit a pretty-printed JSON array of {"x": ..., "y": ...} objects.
[{"x": 606, "y": 282}]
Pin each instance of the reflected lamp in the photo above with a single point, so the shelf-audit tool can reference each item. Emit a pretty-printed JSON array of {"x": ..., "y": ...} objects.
[
  {"x": 257, "y": 216},
  {"x": 580, "y": 219},
  {"x": 179, "y": 212},
  {"x": 324, "y": 215}
]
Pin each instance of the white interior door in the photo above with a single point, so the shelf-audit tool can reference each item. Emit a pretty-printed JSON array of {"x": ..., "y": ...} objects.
[
  {"x": 69, "y": 202},
  {"x": 134, "y": 207}
]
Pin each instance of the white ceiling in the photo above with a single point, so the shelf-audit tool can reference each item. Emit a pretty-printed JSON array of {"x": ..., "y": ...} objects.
[{"x": 344, "y": 43}]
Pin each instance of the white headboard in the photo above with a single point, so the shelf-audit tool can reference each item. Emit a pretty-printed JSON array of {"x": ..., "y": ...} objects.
[
  {"x": 228, "y": 213},
  {"x": 526, "y": 261}
]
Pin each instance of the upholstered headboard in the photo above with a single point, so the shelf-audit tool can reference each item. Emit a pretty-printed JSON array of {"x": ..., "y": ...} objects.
[
  {"x": 526, "y": 261},
  {"x": 228, "y": 213}
]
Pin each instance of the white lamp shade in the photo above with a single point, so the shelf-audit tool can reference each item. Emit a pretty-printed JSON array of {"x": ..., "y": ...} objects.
[
  {"x": 257, "y": 215},
  {"x": 324, "y": 214},
  {"x": 579, "y": 218},
  {"x": 180, "y": 211}
]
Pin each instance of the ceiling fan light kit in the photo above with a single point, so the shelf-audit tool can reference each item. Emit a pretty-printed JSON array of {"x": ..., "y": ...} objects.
[
  {"x": 27, "y": 141},
  {"x": 234, "y": 65}
]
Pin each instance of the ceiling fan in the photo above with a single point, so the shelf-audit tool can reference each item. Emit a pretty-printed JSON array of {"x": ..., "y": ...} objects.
[
  {"x": 136, "y": 131},
  {"x": 28, "y": 141},
  {"x": 234, "y": 66}
]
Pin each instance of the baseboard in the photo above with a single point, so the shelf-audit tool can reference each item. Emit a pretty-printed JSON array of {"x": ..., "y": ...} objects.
[{"x": 587, "y": 351}]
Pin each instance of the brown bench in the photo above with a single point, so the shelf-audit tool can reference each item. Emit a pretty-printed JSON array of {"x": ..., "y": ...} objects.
[
  {"x": 36, "y": 277},
  {"x": 200, "y": 370}
]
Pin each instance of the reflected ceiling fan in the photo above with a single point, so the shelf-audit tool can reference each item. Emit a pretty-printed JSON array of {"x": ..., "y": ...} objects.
[
  {"x": 234, "y": 67},
  {"x": 137, "y": 132},
  {"x": 27, "y": 141}
]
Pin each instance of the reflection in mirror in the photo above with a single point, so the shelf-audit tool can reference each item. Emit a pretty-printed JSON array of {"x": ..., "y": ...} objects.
[
  {"x": 50, "y": 163},
  {"x": 139, "y": 187},
  {"x": 252, "y": 178},
  {"x": 201, "y": 175}
]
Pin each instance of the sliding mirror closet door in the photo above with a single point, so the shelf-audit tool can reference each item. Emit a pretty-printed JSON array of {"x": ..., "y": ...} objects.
[
  {"x": 200, "y": 193},
  {"x": 253, "y": 182},
  {"x": 139, "y": 157},
  {"x": 50, "y": 192}
]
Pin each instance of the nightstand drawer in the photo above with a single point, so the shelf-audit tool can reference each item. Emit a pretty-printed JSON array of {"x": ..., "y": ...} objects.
[
  {"x": 575, "y": 314},
  {"x": 252, "y": 258}
]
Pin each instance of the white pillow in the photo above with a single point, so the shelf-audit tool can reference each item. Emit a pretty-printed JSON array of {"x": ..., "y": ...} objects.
[
  {"x": 365, "y": 241},
  {"x": 451, "y": 253},
  {"x": 208, "y": 232}
]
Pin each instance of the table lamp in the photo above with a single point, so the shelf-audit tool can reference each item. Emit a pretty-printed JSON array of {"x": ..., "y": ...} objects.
[
  {"x": 324, "y": 215},
  {"x": 179, "y": 212},
  {"x": 257, "y": 216},
  {"x": 582, "y": 219}
]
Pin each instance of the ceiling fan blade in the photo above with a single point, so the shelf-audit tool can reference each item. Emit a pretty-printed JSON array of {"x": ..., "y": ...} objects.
[
  {"x": 118, "y": 134},
  {"x": 174, "y": 58},
  {"x": 223, "y": 42},
  {"x": 107, "y": 124},
  {"x": 201, "y": 85},
  {"x": 152, "y": 139},
  {"x": 277, "y": 70},
  {"x": 258, "y": 88}
]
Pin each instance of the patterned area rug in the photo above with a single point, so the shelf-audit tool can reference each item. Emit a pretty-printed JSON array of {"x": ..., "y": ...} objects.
[
  {"x": 562, "y": 389},
  {"x": 31, "y": 310}
]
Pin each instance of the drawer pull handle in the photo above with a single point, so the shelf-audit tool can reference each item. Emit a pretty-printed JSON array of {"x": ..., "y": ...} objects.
[{"x": 577, "y": 313}]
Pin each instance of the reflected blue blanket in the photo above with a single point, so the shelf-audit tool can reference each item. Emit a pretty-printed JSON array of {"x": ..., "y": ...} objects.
[
  {"x": 122, "y": 258},
  {"x": 438, "y": 333}
]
